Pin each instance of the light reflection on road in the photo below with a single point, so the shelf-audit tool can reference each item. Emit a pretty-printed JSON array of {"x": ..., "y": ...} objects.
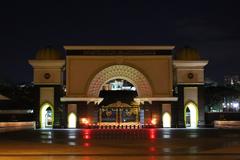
[
  {"x": 87, "y": 138},
  {"x": 46, "y": 137},
  {"x": 122, "y": 141},
  {"x": 87, "y": 134}
]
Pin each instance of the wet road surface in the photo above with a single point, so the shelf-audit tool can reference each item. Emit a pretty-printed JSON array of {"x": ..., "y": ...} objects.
[{"x": 118, "y": 144}]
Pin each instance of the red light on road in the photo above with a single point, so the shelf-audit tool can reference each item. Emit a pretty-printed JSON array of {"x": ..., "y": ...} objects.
[
  {"x": 86, "y": 144},
  {"x": 152, "y": 134},
  {"x": 152, "y": 149},
  {"x": 86, "y": 134}
]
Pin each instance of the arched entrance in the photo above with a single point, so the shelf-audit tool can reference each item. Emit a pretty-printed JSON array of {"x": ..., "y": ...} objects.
[
  {"x": 72, "y": 120},
  {"x": 191, "y": 115},
  {"x": 118, "y": 107},
  {"x": 46, "y": 116},
  {"x": 166, "y": 120},
  {"x": 120, "y": 78},
  {"x": 122, "y": 72}
]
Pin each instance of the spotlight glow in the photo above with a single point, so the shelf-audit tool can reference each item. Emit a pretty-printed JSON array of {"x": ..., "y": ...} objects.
[
  {"x": 84, "y": 121},
  {"x": 154, "y": 121}
]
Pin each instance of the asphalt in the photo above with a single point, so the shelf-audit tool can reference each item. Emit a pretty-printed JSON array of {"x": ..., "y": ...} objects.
[{"x": 121, "y": 144}]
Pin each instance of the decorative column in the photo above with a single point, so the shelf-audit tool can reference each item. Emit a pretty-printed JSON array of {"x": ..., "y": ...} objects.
[
  {"x": 48, "y": 83},
  {"x": 189, "y": 78}
]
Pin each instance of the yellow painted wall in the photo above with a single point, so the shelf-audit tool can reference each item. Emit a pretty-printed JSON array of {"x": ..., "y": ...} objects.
[
  {"x": 82, "y": 69},
  {"x": 191, "y": 95},
  {"x": 47, "y": 95}
]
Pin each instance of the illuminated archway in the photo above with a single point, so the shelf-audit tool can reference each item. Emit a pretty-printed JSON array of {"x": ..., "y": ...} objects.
[
  {"x": 46, "y": 116},
  {"x": 191, "y": 115},
  {"x": 72, "y": 120},
  {"x": 118, "y": 83},
  {"x": 120, "y": 71},
  {"x": 166, "y": 120}
]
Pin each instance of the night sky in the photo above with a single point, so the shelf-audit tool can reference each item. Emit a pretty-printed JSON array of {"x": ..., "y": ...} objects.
[{"x": 213, "y": 27}]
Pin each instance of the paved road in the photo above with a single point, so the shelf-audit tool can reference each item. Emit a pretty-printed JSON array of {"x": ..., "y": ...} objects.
[{"x": 118, "y": 144}]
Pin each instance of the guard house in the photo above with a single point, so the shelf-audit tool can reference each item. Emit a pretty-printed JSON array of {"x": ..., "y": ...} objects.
[{"x": 118, "y": 86}]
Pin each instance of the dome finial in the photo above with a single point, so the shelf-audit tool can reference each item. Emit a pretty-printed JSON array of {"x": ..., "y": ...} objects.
[
  {"x": 188, "y": 53},
  {"x": 49, "y": 53}
]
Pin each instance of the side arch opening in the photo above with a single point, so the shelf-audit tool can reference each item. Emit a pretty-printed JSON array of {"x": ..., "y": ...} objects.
[
  {"x": 46, "y": 116},
  {"x": 72, "y": 120},
  {"x": 191, "y": 115},
  {"x": 166, "y": 120}
]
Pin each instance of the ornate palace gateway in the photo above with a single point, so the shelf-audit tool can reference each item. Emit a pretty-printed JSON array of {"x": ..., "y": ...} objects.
[
  {"x": 118, "y": 87},
  {"x": 119, "y": 115}
]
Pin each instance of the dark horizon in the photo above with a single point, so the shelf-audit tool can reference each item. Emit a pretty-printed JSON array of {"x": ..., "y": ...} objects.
[{"x": 212, "y": 28}]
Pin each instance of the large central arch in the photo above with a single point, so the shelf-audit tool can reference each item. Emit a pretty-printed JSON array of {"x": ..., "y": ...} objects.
[{"x": 120, "y": 71}]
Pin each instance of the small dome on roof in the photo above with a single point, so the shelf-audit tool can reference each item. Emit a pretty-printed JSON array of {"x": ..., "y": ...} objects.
[
  {"x": 49, "y": 53},
  {"x": 188, "y": 54}
]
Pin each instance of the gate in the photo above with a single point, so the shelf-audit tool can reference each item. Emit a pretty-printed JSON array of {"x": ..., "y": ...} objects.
[{"x": 119, "y": 115}]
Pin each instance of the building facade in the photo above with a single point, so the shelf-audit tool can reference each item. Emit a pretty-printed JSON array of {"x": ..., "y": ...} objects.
[{"x": 118, "y": 87}]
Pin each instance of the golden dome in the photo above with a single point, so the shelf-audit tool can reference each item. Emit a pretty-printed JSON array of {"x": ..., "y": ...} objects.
[
  {"x": 48, "y": 53},
  {"x": 188, "y": 54}
]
